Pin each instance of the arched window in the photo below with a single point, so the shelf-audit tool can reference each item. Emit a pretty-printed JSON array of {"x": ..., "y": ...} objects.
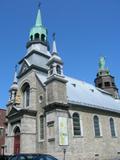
[
  {"x": 31, "y": 37},
  {"x": 43, "y": 37},
  {"x": 112, "y": 127},
  {"x": 96, "y": 126},
  {"x": 37, "y": 36},
  {"x": 58, "y": 68},
  {"x": 76, "y": 124},
  {"x": 41, "y": 127},
  {"x": 26, "y": 94}
]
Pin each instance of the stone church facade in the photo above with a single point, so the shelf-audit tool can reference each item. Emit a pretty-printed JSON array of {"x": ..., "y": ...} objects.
[{"x": 49, "y": 112}]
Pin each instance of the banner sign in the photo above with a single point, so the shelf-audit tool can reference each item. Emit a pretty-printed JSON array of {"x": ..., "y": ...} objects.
[{"x": 63, "y": 131}]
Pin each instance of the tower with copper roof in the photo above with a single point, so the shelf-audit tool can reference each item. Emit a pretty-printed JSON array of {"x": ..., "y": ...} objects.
[{"x": 105, "y": 80}]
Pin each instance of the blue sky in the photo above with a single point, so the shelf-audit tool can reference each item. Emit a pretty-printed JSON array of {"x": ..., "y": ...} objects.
[{"x": 85, "y": 30}]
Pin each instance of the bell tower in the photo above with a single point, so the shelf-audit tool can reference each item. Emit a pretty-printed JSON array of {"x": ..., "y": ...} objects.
[
  {"x": 38, "y": 33},
  {"x": 37, "y": 49},
  {"x": 105, "y": 80}
]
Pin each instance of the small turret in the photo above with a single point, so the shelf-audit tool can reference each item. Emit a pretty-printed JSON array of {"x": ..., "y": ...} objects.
[
  {"x": 104, "y": 80},
  {"x": 14, "y": 88},
  {"x": 55, "y": 63},
  {"x": 56, "y": 82}
]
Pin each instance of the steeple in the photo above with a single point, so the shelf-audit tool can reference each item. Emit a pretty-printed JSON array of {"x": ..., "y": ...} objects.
[
  {"x": 55, "y": 63},
  {"x": 38, "y": 32},
  {"x": 104, "y": 80},
  {"x": 14, "y": 87},
  {"x": 39, "y": 18},
  {"x": 56, "y": 79},
  {"x": 37, "y": 48},
  {"x": 15, "y": 76}
]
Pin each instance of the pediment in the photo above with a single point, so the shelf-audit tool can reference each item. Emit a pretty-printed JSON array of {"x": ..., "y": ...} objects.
[
  {"x": 24, "y": 67},
  {"x": 13, "y": 111}
]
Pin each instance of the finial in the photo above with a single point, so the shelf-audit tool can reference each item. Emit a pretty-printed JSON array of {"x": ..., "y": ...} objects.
[
  {"x": 54, "y": 35},
  {"x": 54, "y": 44},
  {"x": 16, "y": 68},
  {"x": 15, "y": 75},
  {"x": 39, "y": 5},
  {"x": 38, "y": 18}
]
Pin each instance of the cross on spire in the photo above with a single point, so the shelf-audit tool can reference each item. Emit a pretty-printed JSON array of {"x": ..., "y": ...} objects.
[
  {"x": 16, "y": 68},
  {"x": 54, "y": 35},
  {"x": 38, "y": 18},
  {"x": 54, "y": 43},
  {"x": 39, "y": 5}
]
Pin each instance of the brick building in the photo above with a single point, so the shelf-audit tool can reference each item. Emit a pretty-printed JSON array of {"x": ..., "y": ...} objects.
[{"x": 2, "y": 130}]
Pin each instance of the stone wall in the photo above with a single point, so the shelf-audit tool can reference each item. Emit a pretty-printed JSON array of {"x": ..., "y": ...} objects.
[
  {"x": 56, "y": 92},
  {"x": 28, "y": 134},
  {"x": 87, "y": 146}
]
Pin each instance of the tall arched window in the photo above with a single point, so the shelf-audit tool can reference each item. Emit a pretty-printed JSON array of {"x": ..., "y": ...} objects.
[
  {"x": 112, "y": 127},
  {"x": 76, "y": 124},
  {"x": 96, "y": 126},
  {"x": 37, "y": 36},
  {"x": 41, "y": 127},
  {"x": 26, "y": 95}
]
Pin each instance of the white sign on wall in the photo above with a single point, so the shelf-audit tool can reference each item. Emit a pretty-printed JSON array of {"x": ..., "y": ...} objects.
[{"x": 63, "y": 131}]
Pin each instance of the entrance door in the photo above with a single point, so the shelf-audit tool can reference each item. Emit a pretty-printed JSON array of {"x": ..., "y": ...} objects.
[{"x": 17, "y": 140}]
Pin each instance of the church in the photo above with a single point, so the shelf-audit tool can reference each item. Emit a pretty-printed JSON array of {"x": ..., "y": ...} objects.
[{"x": 49, "y": 112}]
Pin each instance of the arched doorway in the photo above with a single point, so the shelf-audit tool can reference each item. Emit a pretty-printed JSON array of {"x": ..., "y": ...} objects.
[{"x": 16, "y": 140}]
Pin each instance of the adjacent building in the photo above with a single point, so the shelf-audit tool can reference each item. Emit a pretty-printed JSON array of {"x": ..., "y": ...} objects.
[
  {"x": 2, "y": 130},
  {"x": 49, "y": 112}
]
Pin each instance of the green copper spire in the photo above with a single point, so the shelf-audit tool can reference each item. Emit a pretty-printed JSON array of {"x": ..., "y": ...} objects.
[
  {"x": 102, "y": 63},
  {"x": 38, "y": 32},
  {"x": 38, "y": 19}
]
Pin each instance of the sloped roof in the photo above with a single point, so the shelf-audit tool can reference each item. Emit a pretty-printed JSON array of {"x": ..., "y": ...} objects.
[
  {"x": 82, "y": 93},
  {"x": 86, "y": 94}
]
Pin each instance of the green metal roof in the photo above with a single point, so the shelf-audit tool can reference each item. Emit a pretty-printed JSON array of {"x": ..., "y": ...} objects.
[
  {"x": 38, "y": 19},
  {"x": 38, "y": 28}
]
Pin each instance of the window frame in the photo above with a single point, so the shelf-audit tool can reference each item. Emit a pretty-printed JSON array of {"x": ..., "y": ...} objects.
[
  {"x": 58, "y": 69},
  {"x": 42, "y": 130},
  {"x": 79, "y": 124},
  {"x": 98, "y": 127},
  {"x": 107, "y": 84},
  {"x": 26, "y": 95},
  {"x": 112, "y": 128}
]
